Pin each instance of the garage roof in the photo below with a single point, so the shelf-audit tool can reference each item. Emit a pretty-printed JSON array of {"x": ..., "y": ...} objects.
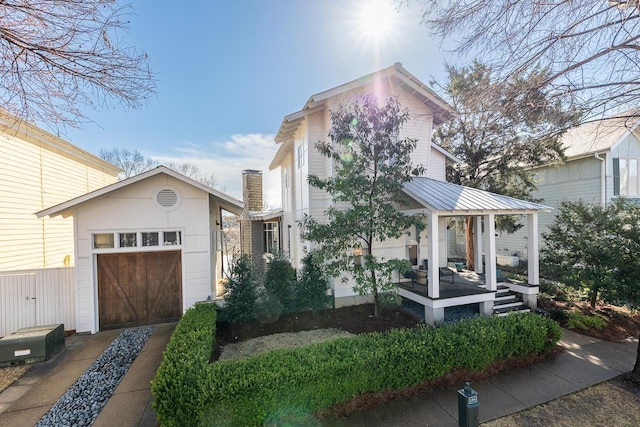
[
  {"x": 446, "y": 197},
  {"x": 227, "y": 202}
]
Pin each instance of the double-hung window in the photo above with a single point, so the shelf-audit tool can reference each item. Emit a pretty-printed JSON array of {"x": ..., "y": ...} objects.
[
  {"x": 271, "y": 237},
  {"x": 625, "y": 176}
]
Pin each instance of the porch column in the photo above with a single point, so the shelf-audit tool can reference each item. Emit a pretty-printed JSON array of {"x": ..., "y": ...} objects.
[
  {"x": 442, "y": 226},
  {"x": 433, "y": 240},
  {"x": 477, "y": 226},
  {"x": 490, "y": 252},
  {"x": 533, "y": 261}
]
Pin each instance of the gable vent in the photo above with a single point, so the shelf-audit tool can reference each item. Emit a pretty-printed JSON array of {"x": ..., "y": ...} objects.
[{"x": 167, "y": 198}]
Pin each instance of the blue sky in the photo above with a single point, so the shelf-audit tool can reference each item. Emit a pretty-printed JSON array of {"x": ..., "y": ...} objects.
[{"x": 229, "y": 71}]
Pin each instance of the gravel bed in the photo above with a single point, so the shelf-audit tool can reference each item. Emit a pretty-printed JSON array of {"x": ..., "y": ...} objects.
[
  {"x": 10, "y": 374},
  {"x": 83, "y": 401},
  {"x": 277, "y": 341}
]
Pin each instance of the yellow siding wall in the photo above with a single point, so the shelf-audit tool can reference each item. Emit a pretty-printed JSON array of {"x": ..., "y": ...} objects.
[{"x": 35, "y": 176}]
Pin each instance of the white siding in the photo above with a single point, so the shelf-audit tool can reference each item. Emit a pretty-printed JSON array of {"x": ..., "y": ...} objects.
[
  {"x": 418, "y": 127},
  {"x": 575, "y": 180},
  {"x": 437, "y": 166},
  {"x": 319, "y": 165}
]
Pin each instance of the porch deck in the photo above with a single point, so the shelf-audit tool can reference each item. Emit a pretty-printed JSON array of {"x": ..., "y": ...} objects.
[
  {"x": 462, "y": 291},
  {"x": 464, "y": 283},
  {"x": 447, "y": 289},
  {"x": 467, "y": 288}
]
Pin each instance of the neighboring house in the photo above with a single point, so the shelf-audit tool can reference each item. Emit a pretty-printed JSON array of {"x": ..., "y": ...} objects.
[
  {"x": 431, "y": 196},
  {"x": 147, "y": 248},
  {"x": 602, "y": 164},
  {"x": 38, "y": 169}
]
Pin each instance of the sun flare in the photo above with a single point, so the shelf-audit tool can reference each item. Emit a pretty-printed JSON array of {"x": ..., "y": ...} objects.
[{"x": 376, "y": 19}]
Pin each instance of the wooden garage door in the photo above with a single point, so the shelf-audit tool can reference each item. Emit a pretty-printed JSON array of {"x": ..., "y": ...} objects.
[{"x": 139, "y": 288}]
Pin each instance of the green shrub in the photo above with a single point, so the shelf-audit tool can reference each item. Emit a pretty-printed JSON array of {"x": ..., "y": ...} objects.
[
  {"x": 311, "y": 289},
  {"x": 577, "y": 320},
  {"x": 280, "y": 282},
  {"x": 242, "y": 293},
  {"x": 180, "y": 384},
  {"x": 283, "y": 384}
]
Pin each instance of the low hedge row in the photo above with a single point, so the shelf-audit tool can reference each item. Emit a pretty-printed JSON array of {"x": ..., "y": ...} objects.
[
  {"x": 263, "y": 388},
  {"x": 181, "y": 385}
]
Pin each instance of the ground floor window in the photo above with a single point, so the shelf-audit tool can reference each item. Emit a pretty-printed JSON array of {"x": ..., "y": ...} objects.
[
  {"x": 137, "y": 239},
  {"x": 270, "y": 235}
]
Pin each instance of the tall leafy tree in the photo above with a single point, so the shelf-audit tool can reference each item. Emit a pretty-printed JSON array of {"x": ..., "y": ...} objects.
[
  {"x": 595, "y": 249},
  {"x": 58, "y": 56},
  {"x": 501, "y": 131},
  {"x": 371, "y": 166}
]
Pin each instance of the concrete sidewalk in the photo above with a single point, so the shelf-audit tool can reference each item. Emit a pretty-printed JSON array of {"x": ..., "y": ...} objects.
[
  {"x": 585, "y": 362},
  {"x": 29, "y": 398}
]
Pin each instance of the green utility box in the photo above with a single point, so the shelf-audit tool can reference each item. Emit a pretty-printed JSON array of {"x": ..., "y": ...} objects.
[{"x": 30, "y": 345}]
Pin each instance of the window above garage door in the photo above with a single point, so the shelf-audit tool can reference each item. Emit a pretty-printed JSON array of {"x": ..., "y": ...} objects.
[{"x": 136, "y": 240}]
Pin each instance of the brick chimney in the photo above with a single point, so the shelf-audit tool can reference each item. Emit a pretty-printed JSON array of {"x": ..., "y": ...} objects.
[
  {"x": 252, "y": 189},
  {"x": 251, "y": 232}
]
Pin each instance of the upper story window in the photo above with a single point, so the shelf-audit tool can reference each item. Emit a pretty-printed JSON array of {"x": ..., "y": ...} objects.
[
  {"x": 301, "y": 154},
  {"x": 625, "y": 177}
]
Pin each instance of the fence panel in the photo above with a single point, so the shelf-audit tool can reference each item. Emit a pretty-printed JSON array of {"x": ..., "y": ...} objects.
[{"x": 35, "y": 298}]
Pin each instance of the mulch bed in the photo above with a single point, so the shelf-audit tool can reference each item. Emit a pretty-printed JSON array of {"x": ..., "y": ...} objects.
[
  {"x": 356, "y": 319},
  {"x": 622, "y": 322}
]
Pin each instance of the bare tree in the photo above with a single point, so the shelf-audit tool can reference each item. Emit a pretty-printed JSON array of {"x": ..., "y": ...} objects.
[
  {"x": 133, "y": 162},
  {"x": 192, "y": 171},
  {"x": 590, "y": 49},
  {"x": 58, "y": 56}
]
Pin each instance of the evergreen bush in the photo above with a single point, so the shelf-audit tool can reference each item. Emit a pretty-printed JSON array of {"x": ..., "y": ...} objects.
[
  {"x": 311, "y": 291},
  {"x": 279, "y": 283},
  {"x": 242, "y": 291}
]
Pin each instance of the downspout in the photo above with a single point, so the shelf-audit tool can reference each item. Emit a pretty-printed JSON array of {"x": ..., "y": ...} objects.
[{"x": 603, "y": 179}]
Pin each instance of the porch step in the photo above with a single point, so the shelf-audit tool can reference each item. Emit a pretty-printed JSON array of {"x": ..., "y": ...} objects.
[
  {"x": 500, "y": 288},
  {"x": 506, "y": 296},
  {"x": 503, "y": 311},
  {"x": 511, "y": 302},
  {"x": 507, "y": 302}
]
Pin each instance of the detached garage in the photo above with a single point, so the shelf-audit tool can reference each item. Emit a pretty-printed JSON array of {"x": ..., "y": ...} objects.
[{"x": 146, "y": 248}]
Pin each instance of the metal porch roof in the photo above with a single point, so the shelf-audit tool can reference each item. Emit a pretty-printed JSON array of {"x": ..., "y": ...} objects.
[{"x": 444, "y": 196}]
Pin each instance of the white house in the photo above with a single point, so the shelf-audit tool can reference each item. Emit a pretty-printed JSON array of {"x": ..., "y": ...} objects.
[
  {"x": 146, "y": 248},
  {"x": 432, "y": 197},
  {"x": 602, "y": 164},
  {"x": 37, "y": 170}
]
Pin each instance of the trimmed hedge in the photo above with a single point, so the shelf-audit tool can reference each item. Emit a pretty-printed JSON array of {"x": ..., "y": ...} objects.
[
  {"x": 181, "y": 385},
  {"x": 262, "y": 388}
]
